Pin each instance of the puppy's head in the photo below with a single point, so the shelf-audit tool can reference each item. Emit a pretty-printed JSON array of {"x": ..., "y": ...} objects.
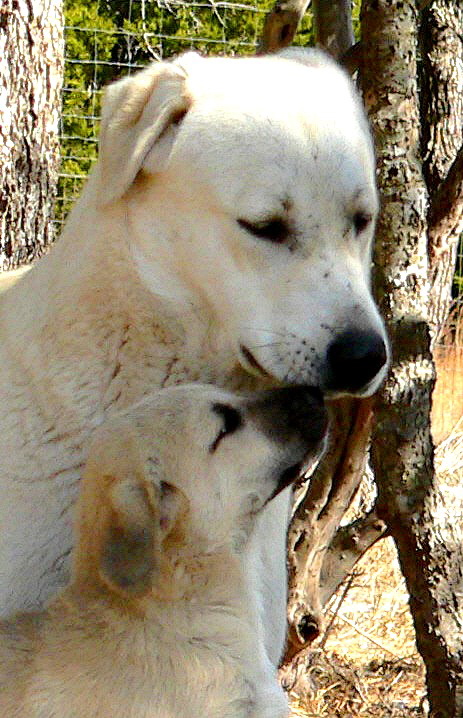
[{"x": 183, "y": 474}]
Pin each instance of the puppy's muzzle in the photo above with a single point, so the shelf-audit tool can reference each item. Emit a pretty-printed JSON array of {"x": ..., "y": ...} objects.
[
  {"x": 293, "y": 415},
  {"x": 295, "y": 418}
]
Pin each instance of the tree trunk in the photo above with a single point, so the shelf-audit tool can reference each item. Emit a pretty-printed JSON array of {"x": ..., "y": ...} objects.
[
  {"x": 31, "y": 64},
  {"x": 402, "y": 452},
  {"x": 333, "y": 26},
  {"x": 441, "y": 81}
]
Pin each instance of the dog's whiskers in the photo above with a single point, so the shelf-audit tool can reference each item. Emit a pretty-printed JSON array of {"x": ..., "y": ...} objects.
[{"x": 287, "y": 335}]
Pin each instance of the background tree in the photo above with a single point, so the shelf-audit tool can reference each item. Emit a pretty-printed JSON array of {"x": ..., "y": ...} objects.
[
  {"x": 417, "y": 166},
  {"x": 31, "y": 62}
]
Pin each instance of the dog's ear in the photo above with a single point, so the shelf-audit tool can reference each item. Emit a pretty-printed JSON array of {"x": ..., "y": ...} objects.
[
  {"x": 131, "y": 537},
  {"x": 139, "y": 517},
  {"x": 139, "y": 122}
]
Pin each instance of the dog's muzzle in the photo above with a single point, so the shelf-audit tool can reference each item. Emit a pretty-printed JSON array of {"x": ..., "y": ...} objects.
[{"x": 295, "y": 418}]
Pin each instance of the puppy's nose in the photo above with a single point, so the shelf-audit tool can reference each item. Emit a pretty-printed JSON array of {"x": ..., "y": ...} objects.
[
  {"x": 354, "y": 359},
  {"x": 297, "y": 405},
  {"x": 292, "y": 412}
]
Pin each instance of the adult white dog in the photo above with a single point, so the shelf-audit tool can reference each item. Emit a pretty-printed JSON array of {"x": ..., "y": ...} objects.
[{"x": 224, "y": 236}]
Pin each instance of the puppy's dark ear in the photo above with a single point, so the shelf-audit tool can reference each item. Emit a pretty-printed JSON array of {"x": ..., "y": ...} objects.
[
  {"x": 130, "y": 550},
  {"x": 140, "y": 516}
]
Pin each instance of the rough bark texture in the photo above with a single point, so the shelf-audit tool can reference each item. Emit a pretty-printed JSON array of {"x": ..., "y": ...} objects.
[
  {"x": 281, "y": 24},
  {"x": 402, "y": 450},
  {"x": 441, "y": 80},
  {"x": 31, "y": 57},
  {"x": 333, "y": 26}
]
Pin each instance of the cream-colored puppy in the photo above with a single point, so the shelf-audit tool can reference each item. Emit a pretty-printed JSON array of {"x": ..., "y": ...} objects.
[
  {"x": 224, "y": 236},
  {"x": 158, "y": 620}
]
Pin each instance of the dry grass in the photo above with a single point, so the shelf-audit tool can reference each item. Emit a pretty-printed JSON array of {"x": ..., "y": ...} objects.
[{"x": 367, "y": 664}]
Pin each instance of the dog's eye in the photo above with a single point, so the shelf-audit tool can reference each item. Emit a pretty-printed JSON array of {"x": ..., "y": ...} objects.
[
  {"x": 361, "y": 221},
  {"x": 274, "y": 230},
  {"x": 231, "y": 419}
]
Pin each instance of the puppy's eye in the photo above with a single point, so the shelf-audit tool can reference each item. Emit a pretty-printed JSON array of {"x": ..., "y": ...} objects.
[
  {"x": 274, "y": 230},
  {"x": 361, "y": 221},
  {"x": 231, "y": 419}
]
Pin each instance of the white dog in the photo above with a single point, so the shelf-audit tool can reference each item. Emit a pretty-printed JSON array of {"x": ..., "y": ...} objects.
[
  {"x": 158, "y": 619},
  {"x": 224, "y": 236}
]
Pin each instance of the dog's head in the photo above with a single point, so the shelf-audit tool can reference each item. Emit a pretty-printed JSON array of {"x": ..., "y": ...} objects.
[
  {"x": 248, "y": 189},
  {"x": 184, "y": 474}
]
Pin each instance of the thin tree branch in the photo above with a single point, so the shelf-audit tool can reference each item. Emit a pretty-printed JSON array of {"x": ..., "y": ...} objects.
[
  {"x": 349, "y": 544},
  {"x": 445, "y": 216},
  {"x": 281, "y": 25}
]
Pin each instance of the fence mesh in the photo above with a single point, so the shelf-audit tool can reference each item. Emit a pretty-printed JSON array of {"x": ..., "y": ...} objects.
[{"x": 106, "y": 40}]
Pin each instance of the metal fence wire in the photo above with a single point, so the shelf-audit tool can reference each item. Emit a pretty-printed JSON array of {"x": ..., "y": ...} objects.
[{"x": 109, "y": 39}]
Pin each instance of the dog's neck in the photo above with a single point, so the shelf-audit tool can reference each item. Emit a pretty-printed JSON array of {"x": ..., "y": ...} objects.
[
  {"x": 114, "y": 337},
  {"x": 202, "y": 651},
  {"x": 190, "y": 605}
]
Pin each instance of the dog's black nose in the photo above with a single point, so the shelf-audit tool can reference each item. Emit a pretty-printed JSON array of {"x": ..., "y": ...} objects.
[
  {"x": 354, "y": 359},
  {"x": 296, "y": 411}
]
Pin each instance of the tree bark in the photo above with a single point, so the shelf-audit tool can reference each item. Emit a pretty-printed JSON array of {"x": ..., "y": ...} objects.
[
  {"x": 441, "y": 82},
  {"x": 31, "y": 65},
  {"x": 333, "y": 26},
  {"x": 402, "y": 449}
]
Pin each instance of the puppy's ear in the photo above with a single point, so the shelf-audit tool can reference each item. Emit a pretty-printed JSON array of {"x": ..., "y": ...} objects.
[
  {"x": 139, "y": 123},
  {"x": 140, "y": 516},
  {"x": 131, "y": 538}
]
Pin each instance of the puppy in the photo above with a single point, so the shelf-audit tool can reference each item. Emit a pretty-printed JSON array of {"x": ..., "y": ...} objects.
[{"x": 159, "y": 619}]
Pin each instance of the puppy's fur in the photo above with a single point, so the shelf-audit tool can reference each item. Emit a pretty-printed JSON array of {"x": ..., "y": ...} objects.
[
  {"x": 158, "y": 620},
  {"x": 224, "y": 236}
]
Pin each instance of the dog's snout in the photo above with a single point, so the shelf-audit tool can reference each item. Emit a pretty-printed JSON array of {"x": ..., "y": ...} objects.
[
  {"x": 298, "y": 404},
  {"x": 354, "y": 360},
  {"x": 292, "y": 411}
]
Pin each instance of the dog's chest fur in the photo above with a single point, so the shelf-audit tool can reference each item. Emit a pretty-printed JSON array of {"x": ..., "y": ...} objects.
[{"x": 113, "y": 665}]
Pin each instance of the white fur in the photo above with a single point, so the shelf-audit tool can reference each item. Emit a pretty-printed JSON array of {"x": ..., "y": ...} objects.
[
  {"x": 154, "y": 282},
  {"x": 159, "y": 620}
]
